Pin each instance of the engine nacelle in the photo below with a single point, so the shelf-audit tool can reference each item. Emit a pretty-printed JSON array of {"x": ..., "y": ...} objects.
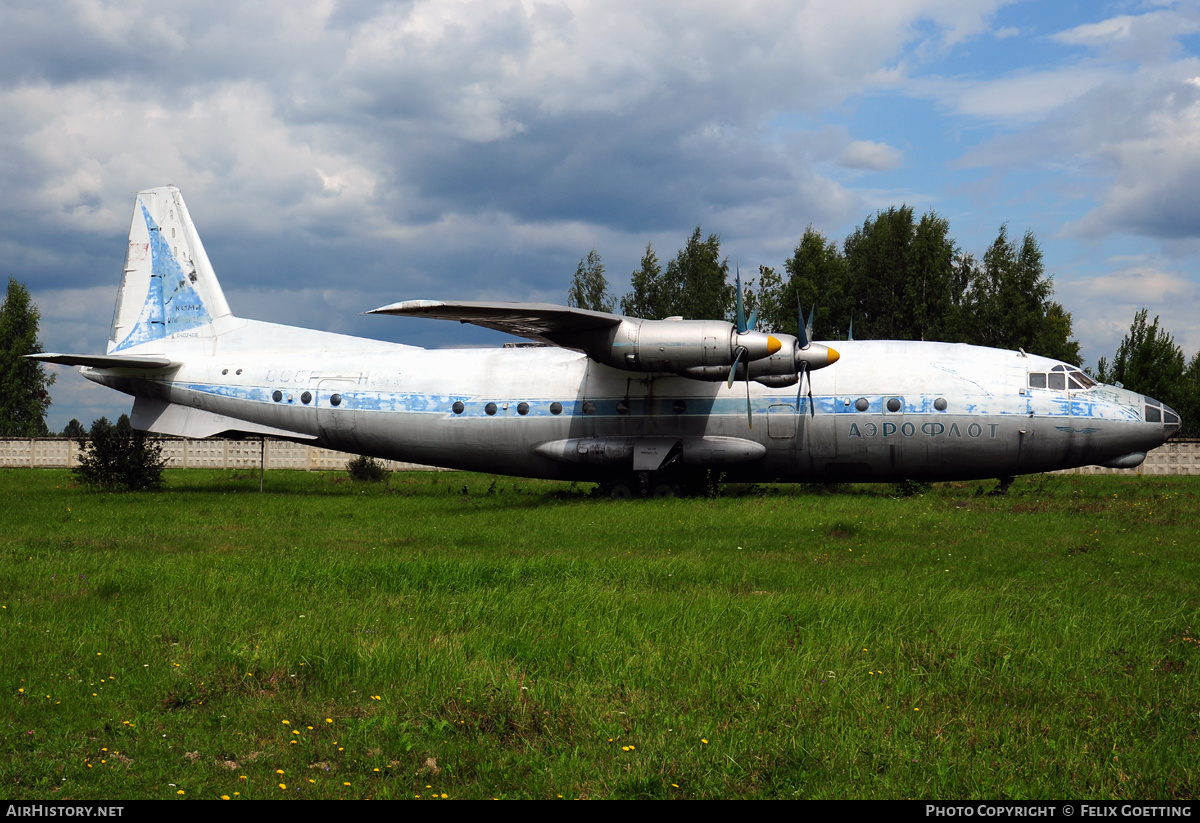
[{"x": 676, "y": 346}]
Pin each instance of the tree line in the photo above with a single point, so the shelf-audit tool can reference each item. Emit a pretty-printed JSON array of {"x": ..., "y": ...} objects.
[{"x": 895, "y": 277}]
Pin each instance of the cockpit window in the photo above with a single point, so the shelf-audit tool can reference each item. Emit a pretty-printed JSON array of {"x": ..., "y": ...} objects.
[
  {"x": 1153, "y": 414},
  {"x": 1061, "y": 378}
]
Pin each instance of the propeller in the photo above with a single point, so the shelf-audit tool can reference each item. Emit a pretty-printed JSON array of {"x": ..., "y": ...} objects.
[
  {"x": 742, "y": 328},
  {"x": 802, "y": 343}
]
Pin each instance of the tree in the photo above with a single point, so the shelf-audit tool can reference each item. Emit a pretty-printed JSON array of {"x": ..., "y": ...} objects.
[
  {"x": 699, "y": 281},
  {"x": 646, "y": 298},
  {"x": 768, "y": 297},
  {"x": 1148, "y": 362},
  {"x": 1008, "y": 303},
  {"x": 900, "y": 276},
  {"x": 589, "y": 289},
  {"x": 74, "y": 430},
  {"x": 119, "y": 458},
  {"x": 24, "y": 384},
  {"x": 817, "y": 279},
  {"x": 693, "y": 287}
]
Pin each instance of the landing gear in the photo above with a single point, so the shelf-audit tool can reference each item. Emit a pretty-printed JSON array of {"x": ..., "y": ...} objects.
[
  {"x": 643, "y": 484},
  {"x": 1002, "y": 489},
  {"x": 665, "y": 488}
]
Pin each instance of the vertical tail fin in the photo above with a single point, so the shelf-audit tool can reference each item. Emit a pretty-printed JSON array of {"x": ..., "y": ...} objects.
[{"x": 169, "y": 292}]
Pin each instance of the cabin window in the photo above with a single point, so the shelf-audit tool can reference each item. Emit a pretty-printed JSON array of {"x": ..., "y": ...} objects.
[
  {"x": 457, "y": 408},
  {"x": 894, "y": 404},
  {"x": 556, "y": 407},
  {"x": 306, "y": 398},
  {"x": 522, "y": 408},
  {"x": 622, "y": 407},
  {"x": 335, "y": 400},
  {"x": 679, "y": 407},
  {"x": 940, "y": 404},
  {"x": 224, "y": 372},
  {"x": 277, "y": 395},
  {"x": 589, "y": 407},
  {"x": 862, "y": 404},
  {"x": 490, "y": 409}
]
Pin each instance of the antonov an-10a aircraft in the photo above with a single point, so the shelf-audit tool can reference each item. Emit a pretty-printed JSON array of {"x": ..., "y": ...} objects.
[{"x": 640, "y": 406}]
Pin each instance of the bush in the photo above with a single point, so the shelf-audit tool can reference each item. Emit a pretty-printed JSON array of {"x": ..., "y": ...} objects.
[
  {"x": 367, "y": 470},
  {"x": 119, "y": 458}
]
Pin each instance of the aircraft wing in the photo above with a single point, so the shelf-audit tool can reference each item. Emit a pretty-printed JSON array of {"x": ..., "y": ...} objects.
[
  {"x": 543, "y": 322},
  {"x": 107, "y": 361}
]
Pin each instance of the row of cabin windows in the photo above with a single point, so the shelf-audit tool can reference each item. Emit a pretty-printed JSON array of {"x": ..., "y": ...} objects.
[{"x": 679, "y": 407}]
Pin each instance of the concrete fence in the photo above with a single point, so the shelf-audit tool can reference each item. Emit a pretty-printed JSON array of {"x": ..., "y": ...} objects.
[
  {"x": 61, "y": 453},
  {"x": 1175, "y": 457}
]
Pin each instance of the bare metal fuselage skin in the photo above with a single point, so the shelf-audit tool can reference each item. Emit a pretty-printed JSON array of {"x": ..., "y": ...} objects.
[{"x": 614, "y": 398}]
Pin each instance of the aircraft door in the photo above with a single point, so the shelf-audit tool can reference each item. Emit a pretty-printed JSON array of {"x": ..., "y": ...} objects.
[
  {"x": 781, "y": 424},
  {"x": 335, "y": 412}
]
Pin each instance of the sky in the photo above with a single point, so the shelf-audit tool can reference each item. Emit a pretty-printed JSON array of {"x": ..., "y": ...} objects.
[{"x": 339, "y": 156}]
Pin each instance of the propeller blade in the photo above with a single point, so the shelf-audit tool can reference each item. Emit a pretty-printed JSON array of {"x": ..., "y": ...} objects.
[
  {"x": 802, "y": 336},
  {"x": 808, "y": 325},
  {"x": 851, "y": 337},
  {"x": 737, "y": 358},
  {"x": 741, "y": 312},
  {"x": 749, "y": 411},
  {"x": 800, "y": 384},
  {"x": 752, "y": 321}
]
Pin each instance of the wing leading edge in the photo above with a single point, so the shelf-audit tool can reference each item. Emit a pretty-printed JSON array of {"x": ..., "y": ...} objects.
[{"x": 543, "y": 322}]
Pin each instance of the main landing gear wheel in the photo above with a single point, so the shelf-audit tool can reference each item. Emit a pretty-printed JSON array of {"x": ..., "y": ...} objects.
[
  {"x": 621, "y": 490},
  {"x": 666, "y": 489}
]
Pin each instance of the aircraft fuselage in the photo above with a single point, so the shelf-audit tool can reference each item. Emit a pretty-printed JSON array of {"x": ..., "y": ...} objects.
[{"x": 888, "y": 410}]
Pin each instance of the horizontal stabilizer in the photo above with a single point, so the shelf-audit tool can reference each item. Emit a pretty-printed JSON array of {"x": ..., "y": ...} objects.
[
  {"x": 543, "y": 322},
  {"x": 159, "y": 416},
  {"x": 107, "y": 361}
]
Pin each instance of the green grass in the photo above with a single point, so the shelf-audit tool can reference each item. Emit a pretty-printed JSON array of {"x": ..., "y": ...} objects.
[{"x": 488, "y": 637}]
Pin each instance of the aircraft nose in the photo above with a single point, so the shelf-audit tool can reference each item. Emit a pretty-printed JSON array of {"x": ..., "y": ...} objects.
[
  {"x": 1157, "y": 412},
  {"x": 1171, "y": 420}
]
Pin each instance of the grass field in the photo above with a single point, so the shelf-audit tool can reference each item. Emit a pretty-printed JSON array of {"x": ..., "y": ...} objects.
[{"x": 463, "y": 636}]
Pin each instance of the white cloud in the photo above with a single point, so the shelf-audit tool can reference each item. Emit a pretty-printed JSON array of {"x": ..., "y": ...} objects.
[{"x": 871, "y": 156}]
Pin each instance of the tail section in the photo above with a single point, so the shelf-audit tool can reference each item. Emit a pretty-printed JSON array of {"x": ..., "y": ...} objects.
[{"x": 169, "y": 294}]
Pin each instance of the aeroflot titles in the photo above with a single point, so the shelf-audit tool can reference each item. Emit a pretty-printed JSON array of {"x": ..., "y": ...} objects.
[{"x": 927, "y": 429}]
